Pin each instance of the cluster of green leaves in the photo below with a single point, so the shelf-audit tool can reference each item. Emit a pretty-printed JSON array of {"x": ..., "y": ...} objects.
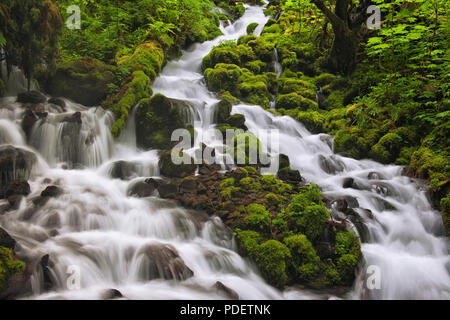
[{"x": 111, "y": 27}]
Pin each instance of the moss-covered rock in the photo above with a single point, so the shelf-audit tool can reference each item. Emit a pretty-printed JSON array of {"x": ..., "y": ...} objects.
[
  {"x": 222, "y": 111},
  {"x": 295, "y": 101},
  {"x": 258, "y": 218},
  {"x": 83, "y": 80},
  {"x": 156, "y": 119},
  {"x": 251, "y": 27},
  {"x": 9, "y": 266},
  {"x": 224, "y": 77},
  {"x": 272, "y": 258},
  {"x": 305, "y": 262},
  {"x": 169, "y": 169},
  {"x": 387, "y": 149}
]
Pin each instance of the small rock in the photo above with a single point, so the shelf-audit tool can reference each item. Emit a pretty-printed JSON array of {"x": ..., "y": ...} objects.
[
  {"x": 51, "y": 192},
  {"x": 168, "y": 190},
  {"x": 111, "y": 294},
  {"x": 74, "y": 118},
  {"x": 228, "y": 292},
  {"x": 59, "y": 102}
]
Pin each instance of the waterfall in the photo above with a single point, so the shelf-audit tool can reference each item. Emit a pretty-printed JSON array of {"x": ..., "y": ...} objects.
[
  {"x": 95, "y": 227},
  {"x": 406, "y": 239},
  {"x": 276, "y": 63}
]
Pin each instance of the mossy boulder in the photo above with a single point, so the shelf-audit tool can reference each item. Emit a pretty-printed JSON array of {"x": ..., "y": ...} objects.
[
  {"x": 295, "y": 101},
  {"x": 83, "y": 80},
  {"x": 251, "y": 27},
  {"x": 312, "y": 120},
  {"x": 305, "y": 262},
  {"x": 258, "y": 218},
  {"x": 157, "y": 118},
  {"x": 224, "y": 77},
  {"x": 236, "y": 120},
  {"x": 148, "y": 57},
  {"x": 222, "y": 111},
  {"x": 169, "y": 169},
  {"x": 387, "y": 149},
  {"x": 272, "y": 258}
]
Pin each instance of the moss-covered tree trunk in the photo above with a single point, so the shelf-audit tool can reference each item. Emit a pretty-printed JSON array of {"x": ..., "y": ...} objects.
[{"x": 346, "y": 21}]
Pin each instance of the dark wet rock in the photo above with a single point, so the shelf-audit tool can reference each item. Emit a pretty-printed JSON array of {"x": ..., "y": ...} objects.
[
  {"x": 15, "y": 165},
  {"x": 170, "y": 169},
  {"x": 340, "y": 205},
  {"x": 58, "y": 102},
  {"x": 222, "y": 289},
  {"x": 188, "y": 185},
  {"x": 348, "y": 183},
  {"x": 222, "y": 111},
  {"x": 383, "y": 205},
  {"x": 53, "y": 221},
  {"x": 75, "y": 118},
  {"x": 52, "y": 192},
  {"x": 31, "y": 97},
  {"x": 83, "y": 80},
  {"x": 122, "y": 170},
  {"x": 375, "y": 176},
  {"x": 168, "y": 190},
  {"x": 284, "y": 161},
  {"x": 28, "y": 121},
  {"x": 331, "y": 165},
  {"x": 48, "y": 279},
  {"x": 162, "y": 261},
  {"x": 287, "y": 174},
  {"x": 6, "y": 240},
  {"x": 142, "y": 189},
  {"x": 18, "y": 188},
  {"x": 111, "y": 294},
  {"x": 327, "y": 139}
]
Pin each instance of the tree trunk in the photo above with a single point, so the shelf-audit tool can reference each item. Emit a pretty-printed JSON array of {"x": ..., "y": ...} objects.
[{"x": 342, "y": 57}]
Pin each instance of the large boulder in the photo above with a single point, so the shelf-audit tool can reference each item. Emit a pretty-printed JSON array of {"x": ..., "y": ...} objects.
[
  {"x": 31, "y": 97},
  {"x": 162, "y": 261},
  {"x": 83, "y": 80},
  {"x": 15, "y": 165},
  {"x": 157, "y": 118}
]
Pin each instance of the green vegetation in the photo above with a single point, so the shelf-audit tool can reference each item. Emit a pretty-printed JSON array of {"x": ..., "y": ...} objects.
[
  {"x": 9, "y": 266},
  {"x": 384, "y": 93}
]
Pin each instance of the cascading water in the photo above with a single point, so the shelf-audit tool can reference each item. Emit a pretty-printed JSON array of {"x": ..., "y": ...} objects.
[
  {"x": 109, "y": 236},
  {"x": 406, "y": 239}
]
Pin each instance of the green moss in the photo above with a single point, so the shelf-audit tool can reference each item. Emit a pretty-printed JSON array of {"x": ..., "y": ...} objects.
[
  {"x": 271, "y": 183},
  {"x": 347, "y": 243},
  {"x": 272, "y": 257},
  {"x": 251, "y": 27},
  {"x": 148, "y": 57},
  {"x": 272, "y": 200},
  {"x": 295, "y": 101},
  {"x": 312, "y": 120},
  {"x": 324, "y": 79},
  {"x": 230, "y": 192},
  {"x": 249, "y": 184},
  {"x": 223, "y": 77},
  {"x": 229, "y": 182},
  {"x": 248, "y": 242},
  {"x": 170, "y": 169},
  {"x": 305, "y": 262},
  {"x": 306, "y": 213},
  {"x": 387, "y": 149},
  {"x": 445, "y": 211},
  {"x": 8, "y": 267},
  {"x": 256, "y": 66},
  {"x": 346, "y": 265},
  {"x": 258, "y": 218}
]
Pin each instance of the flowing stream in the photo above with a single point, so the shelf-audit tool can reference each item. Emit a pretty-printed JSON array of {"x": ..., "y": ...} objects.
[{"x": 96, "y": 228}]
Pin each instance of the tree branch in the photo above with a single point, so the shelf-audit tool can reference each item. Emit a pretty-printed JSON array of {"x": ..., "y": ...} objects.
[{"x": 333, "y": 18}]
